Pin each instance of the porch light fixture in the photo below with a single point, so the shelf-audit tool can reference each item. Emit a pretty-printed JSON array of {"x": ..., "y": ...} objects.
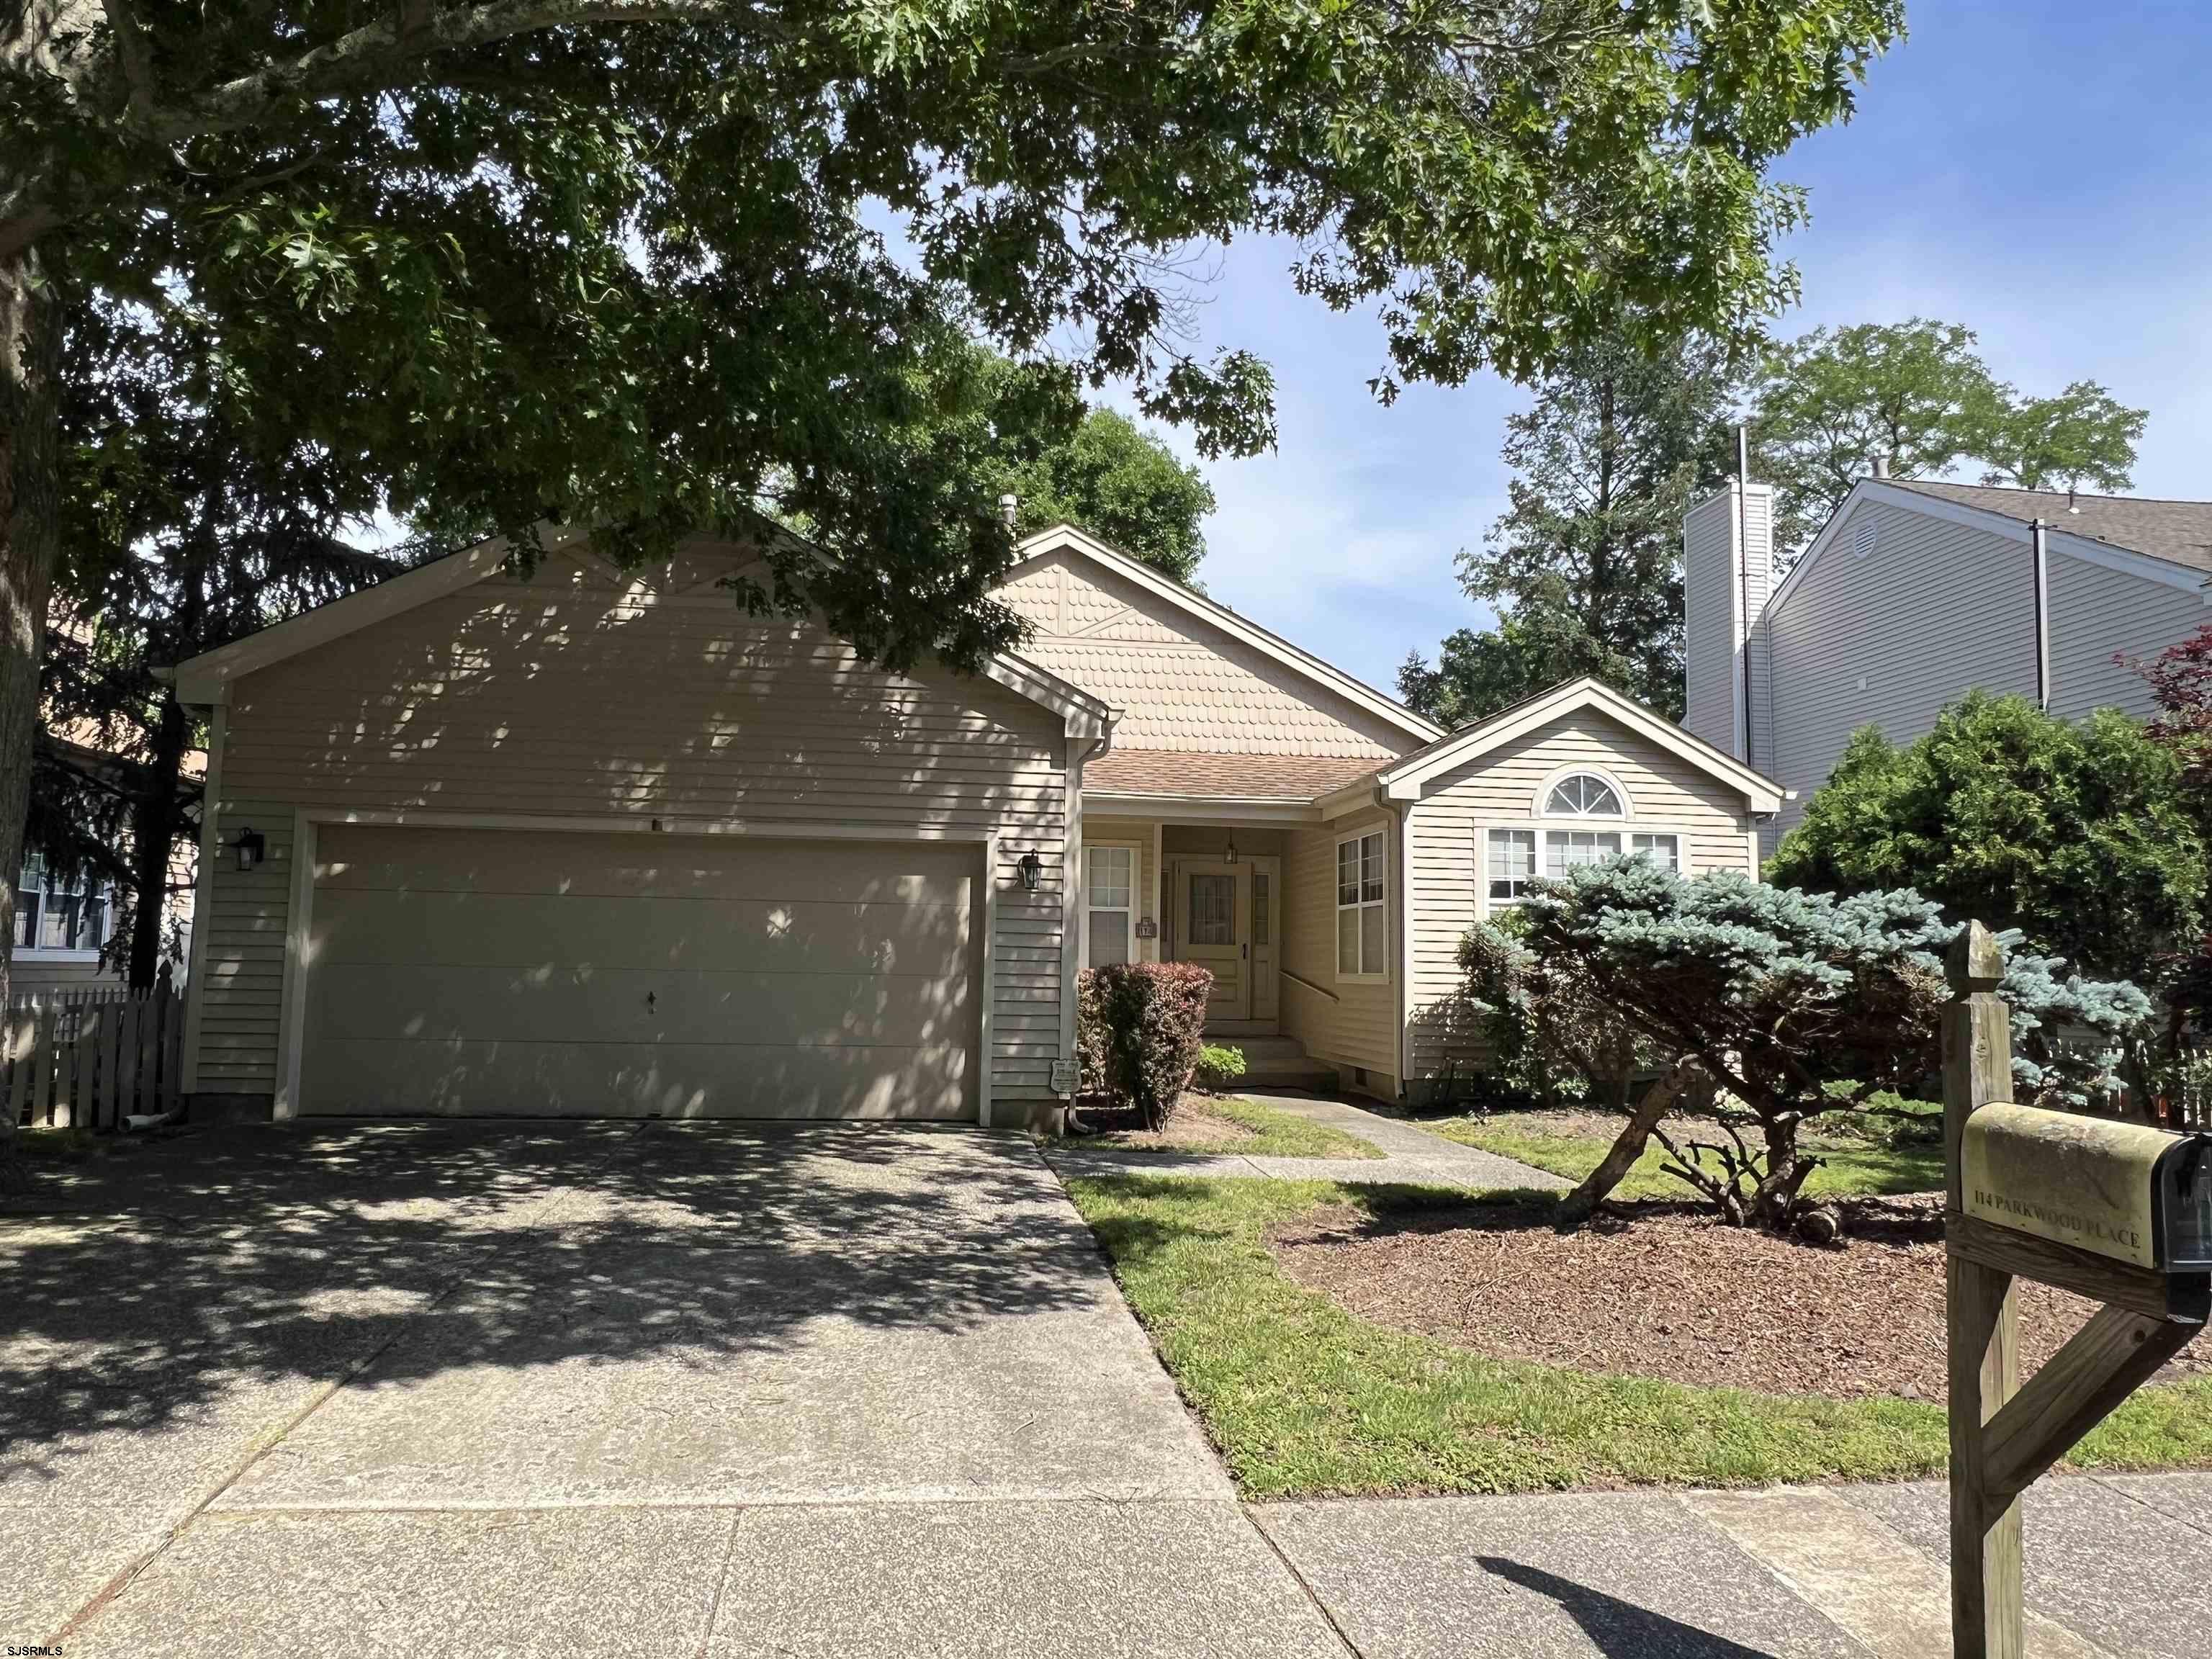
[
  {"x": 1229, "y": 853},
  {"x": 249, "y": 847},
  {"x": 1032, "y": 869}
]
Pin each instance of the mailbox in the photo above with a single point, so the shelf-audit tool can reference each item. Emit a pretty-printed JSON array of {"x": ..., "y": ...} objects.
[{"x": 2125, "y": 1190}]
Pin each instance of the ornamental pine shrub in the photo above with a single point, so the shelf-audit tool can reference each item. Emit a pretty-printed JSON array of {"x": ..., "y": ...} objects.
[
  {"x": 1799, "y": 1006},
  {"x": 1143, "y": 1023}
]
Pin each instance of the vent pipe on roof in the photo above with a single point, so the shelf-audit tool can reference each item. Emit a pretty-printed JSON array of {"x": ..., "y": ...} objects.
[
  {"x": 2070, "y": 506},
  {"x": 1010, "y": 509},
  {"x": 1882, "y": 466}
]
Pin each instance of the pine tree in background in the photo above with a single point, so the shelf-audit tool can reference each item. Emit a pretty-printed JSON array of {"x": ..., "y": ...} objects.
[
  {"x": 189, "y": 519},
  {"x": 1584, "y": 569}
]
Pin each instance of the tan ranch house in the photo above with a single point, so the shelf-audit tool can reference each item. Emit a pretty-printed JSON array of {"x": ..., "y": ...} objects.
[{"x": 598, "y": 843}]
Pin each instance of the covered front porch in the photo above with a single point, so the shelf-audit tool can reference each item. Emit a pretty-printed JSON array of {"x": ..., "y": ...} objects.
[{"x": 1255, "y": 902}]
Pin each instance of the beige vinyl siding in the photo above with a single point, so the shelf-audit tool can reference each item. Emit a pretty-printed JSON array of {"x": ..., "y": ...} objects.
[
  {"x": 1935, "y": 609},
  {"x": 1709, "y": 620},
  {"x": 1360, "y": 1028},
  {"x": 1180, "y": 683},
  {"x": 1446, "y": 833},
  {"x": 1137, "y": 833},
  {"x": 29, "y": 974},
  {"x": 2097, "y": 612},
  {"x": 579, "y": 695}
]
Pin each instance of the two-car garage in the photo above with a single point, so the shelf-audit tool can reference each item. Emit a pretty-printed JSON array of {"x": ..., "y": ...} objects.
[{"x": 491, "y": 971}]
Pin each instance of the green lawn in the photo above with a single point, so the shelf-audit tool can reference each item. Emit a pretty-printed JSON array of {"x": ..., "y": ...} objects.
[
  {"x": 1304, "y": 1399},
  {"x": 1851, "y": 1167},
  {"x": 1275, "y": 1133}
]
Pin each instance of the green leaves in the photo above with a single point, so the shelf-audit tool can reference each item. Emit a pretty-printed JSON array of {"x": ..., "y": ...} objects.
[
  {"x": 1827, "y": 405},
  {"x": 1585, "y": 567},
  {"x": 2077, "y": 834}
]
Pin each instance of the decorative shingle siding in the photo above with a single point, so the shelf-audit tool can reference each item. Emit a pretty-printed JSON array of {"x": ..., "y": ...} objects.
[
  {"x": 1180, "y": 683},
  {"x": 1446, "y": 830},
  {"x": 579, "y": 694}
]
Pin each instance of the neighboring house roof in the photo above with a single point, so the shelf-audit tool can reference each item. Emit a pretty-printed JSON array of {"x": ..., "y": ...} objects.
[
  {"x": 2179, "y": 531},
  {"x": 1244, "y": 777},
  {"x": 1035, "y": 548},
  {"x": 1402, "y": 780},
  {"x": 2169, "y": 544},
  {"x": 206, "y": 678}
]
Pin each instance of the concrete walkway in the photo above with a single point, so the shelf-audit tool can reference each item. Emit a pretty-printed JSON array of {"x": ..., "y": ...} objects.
[
  {"x": 729, "y": 1390},
  {"x": 1411, "y": 1156}
]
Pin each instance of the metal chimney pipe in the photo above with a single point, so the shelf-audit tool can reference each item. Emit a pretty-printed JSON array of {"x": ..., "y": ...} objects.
[
  {"x": 1010, "y": 509},
  {"x": 1882, "y": 466}
]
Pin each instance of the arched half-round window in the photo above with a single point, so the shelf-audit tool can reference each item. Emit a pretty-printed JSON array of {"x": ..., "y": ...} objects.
[{"x": 1585, "y": 795}]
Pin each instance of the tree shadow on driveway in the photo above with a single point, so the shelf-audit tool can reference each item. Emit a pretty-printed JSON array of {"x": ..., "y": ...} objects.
[{"x": 208, "y": 1285}]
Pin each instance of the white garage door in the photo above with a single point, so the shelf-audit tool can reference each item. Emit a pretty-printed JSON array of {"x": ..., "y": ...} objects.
[{"x": 504, "y": 972}]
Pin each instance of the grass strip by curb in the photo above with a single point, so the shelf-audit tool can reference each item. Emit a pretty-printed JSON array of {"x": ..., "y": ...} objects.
[
  {"x": 1307, "y": 1400},
  {"x": 1274, "y": 1133}
]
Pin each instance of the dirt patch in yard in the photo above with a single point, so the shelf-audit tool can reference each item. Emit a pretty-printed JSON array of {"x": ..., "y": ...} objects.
[
  {"x": 1663, "y": 1290},
  {"x": 1191, "y": 1128}
]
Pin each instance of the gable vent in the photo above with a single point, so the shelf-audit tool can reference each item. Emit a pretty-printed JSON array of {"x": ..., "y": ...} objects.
[{"x": 1863, "y": 538}]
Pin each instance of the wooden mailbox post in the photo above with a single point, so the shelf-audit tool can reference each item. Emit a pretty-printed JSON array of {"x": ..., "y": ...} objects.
[{"x": 2003, "y": 1434}]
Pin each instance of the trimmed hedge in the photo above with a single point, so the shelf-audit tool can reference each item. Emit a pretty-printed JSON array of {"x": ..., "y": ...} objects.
[{"x": 1139, "y": 1030}]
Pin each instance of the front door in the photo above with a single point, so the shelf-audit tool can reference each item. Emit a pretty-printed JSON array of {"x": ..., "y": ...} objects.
[{"x": 1213, "y": 913}]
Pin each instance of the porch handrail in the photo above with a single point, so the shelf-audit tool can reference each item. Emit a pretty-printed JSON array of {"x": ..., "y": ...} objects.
[{"x": 1318, "y": 991}]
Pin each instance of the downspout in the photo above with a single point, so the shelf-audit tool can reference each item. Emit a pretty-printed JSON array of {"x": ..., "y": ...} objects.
[
  {"x": 2041, "y": 533},
  {"x": 1071, "y": 910}
]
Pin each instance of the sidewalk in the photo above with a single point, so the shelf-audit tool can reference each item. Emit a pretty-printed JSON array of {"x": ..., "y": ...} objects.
[
  {"x": 2118, "y": 1567},
  {"x": 1411, "y": 1156}
]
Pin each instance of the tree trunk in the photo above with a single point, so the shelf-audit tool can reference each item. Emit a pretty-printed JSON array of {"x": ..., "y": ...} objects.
[
  {"x": 30, "y": 425},
  {"x": 1578, "y": 1205},
  {"x": 30, "y": 358},
  {"x": 1775, "y": 1204},
  {"x": 154, "y": 819}
]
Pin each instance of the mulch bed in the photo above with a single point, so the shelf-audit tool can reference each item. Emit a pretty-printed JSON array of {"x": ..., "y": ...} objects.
[{"x": 1664, "y": 1290}]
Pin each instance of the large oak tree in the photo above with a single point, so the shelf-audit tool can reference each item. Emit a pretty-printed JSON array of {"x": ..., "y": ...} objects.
[{"x": 616, "y": 261}]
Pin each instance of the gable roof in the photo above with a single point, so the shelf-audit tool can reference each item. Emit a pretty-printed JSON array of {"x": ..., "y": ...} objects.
[
  {"x": 1975, "y": 507},
  {"x": 1403, "y": 778},
  {"x": 1035, "y": 550},
  {"x": 207, "y": 678},
  {"x": 2178, "y": 531}
]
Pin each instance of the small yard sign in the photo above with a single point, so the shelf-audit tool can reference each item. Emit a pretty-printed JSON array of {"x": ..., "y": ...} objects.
[{"x": 1063, "y": 1076}]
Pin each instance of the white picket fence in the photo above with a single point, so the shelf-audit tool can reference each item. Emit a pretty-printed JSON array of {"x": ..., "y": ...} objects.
[{"x": 91, "y": 1058}]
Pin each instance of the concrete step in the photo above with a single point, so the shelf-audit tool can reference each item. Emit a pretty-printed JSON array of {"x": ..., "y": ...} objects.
[{"x": 1279, "y": 1062}]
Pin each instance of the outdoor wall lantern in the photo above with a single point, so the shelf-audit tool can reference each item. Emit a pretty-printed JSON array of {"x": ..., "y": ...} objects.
[
  {"x": 1032, "y": 869},
  {"x": 249, "y": 846},
  {"x": 1229, "y": 853}
]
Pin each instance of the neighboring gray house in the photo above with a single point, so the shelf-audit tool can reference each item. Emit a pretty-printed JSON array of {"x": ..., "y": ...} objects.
[{"x": 1915, "y": 594}]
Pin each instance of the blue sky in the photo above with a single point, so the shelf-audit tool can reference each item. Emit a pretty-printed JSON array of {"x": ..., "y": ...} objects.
[{"x": 2038, "y": 171}]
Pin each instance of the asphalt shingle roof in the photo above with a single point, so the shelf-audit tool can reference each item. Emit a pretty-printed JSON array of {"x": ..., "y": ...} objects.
[{"x": 2179, "y": 533}]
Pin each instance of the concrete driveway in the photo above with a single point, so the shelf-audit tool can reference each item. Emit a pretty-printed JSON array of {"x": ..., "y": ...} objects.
[{"x": 683, "y": 1389}]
